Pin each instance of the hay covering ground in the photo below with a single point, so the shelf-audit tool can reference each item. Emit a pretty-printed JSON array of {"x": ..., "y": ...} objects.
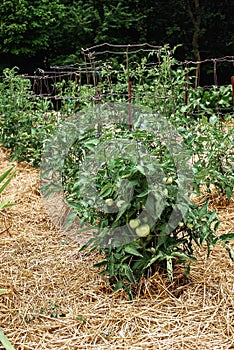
[{"x": 56, "y": 299}]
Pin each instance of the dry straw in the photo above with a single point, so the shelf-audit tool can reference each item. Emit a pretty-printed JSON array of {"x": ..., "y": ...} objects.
[{"x": 56, "y": 300}]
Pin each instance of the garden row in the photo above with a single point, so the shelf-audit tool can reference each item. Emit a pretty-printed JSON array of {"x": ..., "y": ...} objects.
[{"x": 129, "y": 162}]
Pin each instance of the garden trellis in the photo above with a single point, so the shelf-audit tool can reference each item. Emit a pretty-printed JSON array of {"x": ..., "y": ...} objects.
[{"x": 207, "y": 74}]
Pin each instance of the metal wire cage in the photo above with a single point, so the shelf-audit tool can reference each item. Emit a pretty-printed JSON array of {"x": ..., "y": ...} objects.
[{"x": 106, "y": 65}]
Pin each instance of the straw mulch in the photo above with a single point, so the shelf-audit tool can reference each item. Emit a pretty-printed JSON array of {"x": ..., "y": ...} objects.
[{"x": 56, "y": 299}]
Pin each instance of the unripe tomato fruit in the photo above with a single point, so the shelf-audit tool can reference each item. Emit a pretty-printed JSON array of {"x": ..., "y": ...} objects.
[
  {"x": 109, "y": 201},
  {"x": 134, "y": 223},
  {"x": 143, "y": 230}
]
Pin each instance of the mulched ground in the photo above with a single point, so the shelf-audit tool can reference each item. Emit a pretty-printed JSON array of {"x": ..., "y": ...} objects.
[{"x": 56, "y": 300}]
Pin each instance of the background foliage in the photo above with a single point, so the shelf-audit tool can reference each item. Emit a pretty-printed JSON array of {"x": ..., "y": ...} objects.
[{"x": 41, "y": 33}]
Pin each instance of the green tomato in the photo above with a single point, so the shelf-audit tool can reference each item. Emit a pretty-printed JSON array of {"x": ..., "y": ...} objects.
[
  {"x": 120, "y": 203},
  {"x": 169, "y": 180},
  {"x": 164, "y": 180},
  {"x": 134, "y": 223},
  {"x": 180, "y": 224},
  {"x": 109, "y": 201},
  {"x": 143, "y": 230},
  {"x": 152, "y": 250},
  {"x": 190, "y": 225}
]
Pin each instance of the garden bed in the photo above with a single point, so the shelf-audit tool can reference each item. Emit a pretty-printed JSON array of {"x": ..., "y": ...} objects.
[{"x": 56, "y": 299}]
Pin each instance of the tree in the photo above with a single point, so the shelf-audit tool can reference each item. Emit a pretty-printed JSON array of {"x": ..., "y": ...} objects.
[
  {"x": 27, "y": 26},
  {"x": 54, "y": 31}
]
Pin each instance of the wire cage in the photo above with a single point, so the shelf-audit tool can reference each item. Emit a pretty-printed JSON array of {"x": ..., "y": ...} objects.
[
  {"x": 133, "y": 75},
  {"x": 105, "y": 65}
]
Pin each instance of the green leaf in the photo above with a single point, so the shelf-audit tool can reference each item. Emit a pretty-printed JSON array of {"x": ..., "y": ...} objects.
[
  {"x": 229, "y": 192},
  {"x": 203, "y": 210},
  {"x": 224, "y": 238},
  {"x": 144, "y": 193},
  {"x": 155, "y": 258},
  {"x": 101, "y": 264},
  {"x": 183, "y": 256},
  {"x": 140, "y": 169},
  {"x": 128, "y": 273},
  {"x": 5, "y": 342},
  {"x": 230, "y": 252},
  {"x": 187, "y": 270},
  {"x": 212, "y": 217},
  {"x": 217, "y": 225},
  {"x": 119, "y": 285},
  {"x": 3, "y": 291},
  {"x": 122, "y": 211},
  {"x": 6, "y": 204},
  {"x": 105, "y": 188},
  {"x": 80, "y": 318},
  {"x": 132, "y": 251},
  {"x": 3, "y": 177}
]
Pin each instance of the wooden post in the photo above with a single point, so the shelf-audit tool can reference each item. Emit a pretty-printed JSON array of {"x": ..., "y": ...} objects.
[
  {"x": 130, "y": 105},
  {"x": 232, "y": 81},
  {"x": 197, "y": 79},
  {"x": 129, "y": 93},
  {"x": 186, "y": 94}
]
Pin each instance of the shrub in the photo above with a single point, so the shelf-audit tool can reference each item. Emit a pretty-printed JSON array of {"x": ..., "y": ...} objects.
[
  {"x": 24, "y": 119},
  {"x": 142, "y": 214}
]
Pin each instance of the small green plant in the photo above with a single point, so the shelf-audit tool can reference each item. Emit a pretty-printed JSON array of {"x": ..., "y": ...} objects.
[
  {"x": 132, "y": 217},
  {"x": 212, "y": 148},
  {"x": 25, "y": 120},
  {"x": 3, "y": 291}
]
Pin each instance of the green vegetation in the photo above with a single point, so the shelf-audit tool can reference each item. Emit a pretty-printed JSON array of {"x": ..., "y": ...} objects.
[
  {"x": 25, "y": 119},
  {"x": 120, "y": 176},
  {"x": 5, "y": 342},
  {"x": 40, "y": 33},
  {"x": 5, "y": 179}
]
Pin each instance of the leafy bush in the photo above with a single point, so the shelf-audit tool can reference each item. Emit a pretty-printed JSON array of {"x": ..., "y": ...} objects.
[
  {"x": 212, "y": 149},
  {"x": 214, "y": 101},
  {"x": 139, "y": 223},
  {"x": 124, "y": 180},
  {"x": 25, "y": 121}
]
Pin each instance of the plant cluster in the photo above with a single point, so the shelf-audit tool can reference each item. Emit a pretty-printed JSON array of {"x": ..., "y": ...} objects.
[
  {"x": 137, "y": 217},
  {"x": 212, "y": 102},
  {"x": 121, "y": 177},
  {"x": 25, "y": 120}
]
